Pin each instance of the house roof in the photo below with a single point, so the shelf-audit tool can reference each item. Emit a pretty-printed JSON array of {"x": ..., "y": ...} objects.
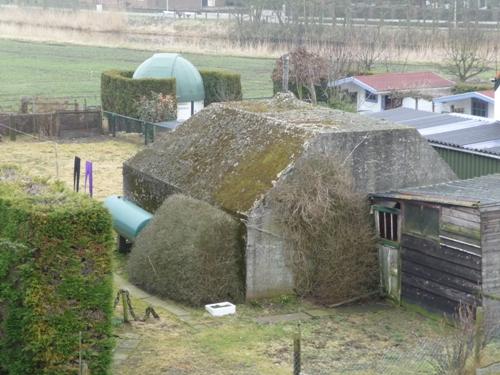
[
  {"x": 468, "y": 133},
  {"x": 487, "y": 96},
  {"x": 479, "y": 191},
  {"x": 387, "y": 82}
]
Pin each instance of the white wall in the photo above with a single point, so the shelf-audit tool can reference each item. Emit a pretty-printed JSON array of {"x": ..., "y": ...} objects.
[
  {"x": 362, "y": 105},
  {"x": 423, "y": 105},
  {"x": 466, "y": 104},
  {"x": 184, "y": 109}
]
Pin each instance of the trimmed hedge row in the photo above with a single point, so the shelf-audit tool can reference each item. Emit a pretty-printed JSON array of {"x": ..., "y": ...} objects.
[
  {"x": 55, "y": 278},
  {"x": 120, "y": 93},
  {"x": 221, "y": 86}
]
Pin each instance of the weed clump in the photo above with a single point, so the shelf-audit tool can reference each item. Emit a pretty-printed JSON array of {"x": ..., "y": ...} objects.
[
  {"x": 327, "y": 228},
  {"x": 191, "y": 252}
]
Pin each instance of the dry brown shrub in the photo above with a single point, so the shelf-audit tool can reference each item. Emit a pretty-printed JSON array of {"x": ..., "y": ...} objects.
[
  {"x": 327, "y": 226},
  {"x": 191, "y": 252}
]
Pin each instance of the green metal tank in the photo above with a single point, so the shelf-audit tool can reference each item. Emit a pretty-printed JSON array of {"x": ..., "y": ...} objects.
[{"x": 128, "y": 219}]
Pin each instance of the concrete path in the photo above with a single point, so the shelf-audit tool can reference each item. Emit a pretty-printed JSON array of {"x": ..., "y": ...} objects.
[
  {"x": 175, "y": 309},
  {"x": 128, "y": 342}
]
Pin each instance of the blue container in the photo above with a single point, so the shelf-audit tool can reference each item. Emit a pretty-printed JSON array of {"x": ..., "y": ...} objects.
[{"x": 128, "y": 219}]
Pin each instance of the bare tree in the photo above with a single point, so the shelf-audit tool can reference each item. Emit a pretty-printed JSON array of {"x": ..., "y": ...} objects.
[{"x": 468, "y": 52}]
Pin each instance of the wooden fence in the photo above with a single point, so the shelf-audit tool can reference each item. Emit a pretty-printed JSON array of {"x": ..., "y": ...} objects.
[{"x": 58, "y": 124}]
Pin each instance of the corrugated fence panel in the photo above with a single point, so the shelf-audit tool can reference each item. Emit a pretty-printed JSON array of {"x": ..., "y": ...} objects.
[{"x": 467, "y": 165}]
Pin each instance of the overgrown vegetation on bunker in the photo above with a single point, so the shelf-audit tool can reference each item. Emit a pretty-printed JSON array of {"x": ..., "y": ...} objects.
[
  {"x": 191, "y": 252},
  {"x": 329, "y": 236}
]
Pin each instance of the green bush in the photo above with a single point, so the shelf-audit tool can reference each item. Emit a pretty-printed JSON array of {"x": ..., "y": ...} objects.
[
  {"x": 190, "y": 252},
  {"x": 469, "y": 87},
  {"x": 302, "y": 92},
  {"x": 221, "y": 86},
  {"x": 56, "y": 281},
  {"x": 120, "y": 93}
]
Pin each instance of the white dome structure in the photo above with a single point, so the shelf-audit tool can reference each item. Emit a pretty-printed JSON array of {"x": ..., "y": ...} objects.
[{"x": 190, "y": 92}]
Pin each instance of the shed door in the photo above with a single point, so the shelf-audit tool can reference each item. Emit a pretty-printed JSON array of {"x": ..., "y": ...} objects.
[
  {"x": 390, "y": 271},
  {"x": 387, "y": 222}
]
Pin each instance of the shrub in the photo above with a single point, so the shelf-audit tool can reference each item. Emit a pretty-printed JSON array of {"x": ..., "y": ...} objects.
[
  {"x": 190, "y": 252},
  {"x": 308, "y": 75},
  {"x": 156, "y": 108},
  {"x": 468, "y": 87},
  {"x": 56, "y": 282},
  {"x": 221, "y": 86},
  {"x": 120, "y": 93},
  {"x": 328, "y": 231}
]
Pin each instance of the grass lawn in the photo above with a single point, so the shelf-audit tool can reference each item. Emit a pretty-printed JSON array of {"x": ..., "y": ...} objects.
[
  {"x": 371, "y": 338},
  {"x": 106, "y": 153},
  {"x": 49, "y": 70}
]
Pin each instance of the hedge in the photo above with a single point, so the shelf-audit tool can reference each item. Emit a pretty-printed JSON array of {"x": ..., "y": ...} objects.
[
  {"x": 221, "y": 86},
  {"x": 120, "y": 93},
  {"x": 55, "y": 281},
  {"x": 190, "y": 252},
  {"x": 461, "y": 87}
]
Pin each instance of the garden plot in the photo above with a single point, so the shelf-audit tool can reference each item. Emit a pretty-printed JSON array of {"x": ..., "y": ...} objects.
[{"x": 48, "y": 159}]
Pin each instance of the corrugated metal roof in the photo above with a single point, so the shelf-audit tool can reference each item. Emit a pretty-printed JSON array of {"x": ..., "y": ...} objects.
[
  {"x": 478, "y": 191},
  {"x": 465, "y": 132}
]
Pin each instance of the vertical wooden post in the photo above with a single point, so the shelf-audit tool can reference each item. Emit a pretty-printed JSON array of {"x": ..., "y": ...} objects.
[
  {"x": 478, "y": 335},
  {"x": 125, "y": 307},
  {"x": 12, "y": 131},
  {"x": 80, "y": 364},
  {"x": 296, "y": 353}
]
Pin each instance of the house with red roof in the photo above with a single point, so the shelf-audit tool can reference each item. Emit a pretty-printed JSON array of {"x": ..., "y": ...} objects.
[
  {"x": 379, "y": 92},
  {"x": 476, "y": 103}
]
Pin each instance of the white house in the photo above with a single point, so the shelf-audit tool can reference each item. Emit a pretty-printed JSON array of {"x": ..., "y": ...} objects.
[
  {"x": 477, "y": 103},
  {"x": 379, "y": 92}
]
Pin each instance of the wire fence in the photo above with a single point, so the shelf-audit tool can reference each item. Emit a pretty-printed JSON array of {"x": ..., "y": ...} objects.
[{"x": 427, "y": 356}]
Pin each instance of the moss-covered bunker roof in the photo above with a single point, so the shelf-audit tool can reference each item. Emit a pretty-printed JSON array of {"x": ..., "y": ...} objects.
[{"x": 229, "y": 154}]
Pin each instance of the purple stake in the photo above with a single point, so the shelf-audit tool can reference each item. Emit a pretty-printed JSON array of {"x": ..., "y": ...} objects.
[{"x": 88, "y": 177}]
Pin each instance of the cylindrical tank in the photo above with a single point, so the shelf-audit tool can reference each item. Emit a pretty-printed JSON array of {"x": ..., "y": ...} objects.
[{"x": 128, "y": 219}]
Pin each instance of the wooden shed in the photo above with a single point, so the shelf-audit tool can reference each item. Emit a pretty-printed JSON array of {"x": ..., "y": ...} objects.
[{"x": 439, "y": 245}]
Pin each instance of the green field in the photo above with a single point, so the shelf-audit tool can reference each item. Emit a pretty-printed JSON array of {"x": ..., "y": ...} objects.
[{"x": 64, "y": 70}]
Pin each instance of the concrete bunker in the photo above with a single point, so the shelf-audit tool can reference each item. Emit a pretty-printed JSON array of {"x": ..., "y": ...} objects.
[{"x": 232, "y": 155}]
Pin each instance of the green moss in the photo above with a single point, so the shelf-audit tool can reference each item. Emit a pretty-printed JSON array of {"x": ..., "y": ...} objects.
[{"x": 255, "y": 174}]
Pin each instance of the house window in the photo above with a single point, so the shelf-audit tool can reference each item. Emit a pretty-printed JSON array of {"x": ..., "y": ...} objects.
[
  {"x": 387, "y": 223},
  {"x": 391, "y": 102},
  {"x": 479, "y": 108},
  {"x": 370, "y": 97}
]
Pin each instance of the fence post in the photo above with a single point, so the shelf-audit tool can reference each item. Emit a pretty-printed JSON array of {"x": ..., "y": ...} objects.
[
  {"x": 125, "y": 307},
  {"x": 145, "y": 127},
  {"x": 113, "y": 125},
  {"x": 12, "y": 131},
  {"x": 296, "y": 353},
  {"x": 478, "y": 334}
]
